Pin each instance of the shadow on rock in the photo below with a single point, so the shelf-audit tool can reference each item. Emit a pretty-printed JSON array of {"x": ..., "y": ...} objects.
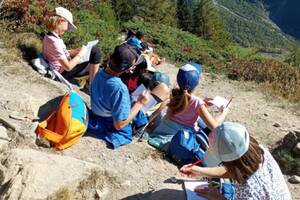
[
  {"x": 166, "y": 194},
  {"x": 49, "y": 107}
]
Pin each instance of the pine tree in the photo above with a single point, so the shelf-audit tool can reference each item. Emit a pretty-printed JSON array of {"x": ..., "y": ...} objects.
[
  {"x": 157, "y": 11},
  {"x": 207, "y": 23},
  {"x": 125, "y": 10},
  {"x": 184, "y": 14},
  {"x": 294, "y": 57}
]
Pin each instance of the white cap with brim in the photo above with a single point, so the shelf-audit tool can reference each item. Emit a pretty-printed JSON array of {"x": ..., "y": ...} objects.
[
  {"x": 65, "y": 13},
  {"x": 228, "y": 142},
  {"x": 149, "y": 64}
]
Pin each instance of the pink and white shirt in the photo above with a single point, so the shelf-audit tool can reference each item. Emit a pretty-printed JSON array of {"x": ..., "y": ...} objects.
[
  {"x": 54, "y": 49},
  {"x": 190, "y": 115}
]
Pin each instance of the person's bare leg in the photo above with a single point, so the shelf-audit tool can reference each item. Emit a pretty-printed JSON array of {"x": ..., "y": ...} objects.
[{"x": 93, "y": 69}]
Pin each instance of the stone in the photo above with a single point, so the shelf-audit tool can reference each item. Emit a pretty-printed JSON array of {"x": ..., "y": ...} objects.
[
  {"x": 277, "y": 125},
  {"x": 3, "y": 133},
  {"x": 173, "y": 179},
  {"x": 126, "y": 183},
  {"x": 290, "y": 140},
  {"x": 4, "y": 139},
  {"x": 294, "y": 179},
  {"x": 298, "y": 135},
  {"x": 102, "y": 194},
  {"x": 38, "y": 175},
  {"x": 296, "y": 150}
]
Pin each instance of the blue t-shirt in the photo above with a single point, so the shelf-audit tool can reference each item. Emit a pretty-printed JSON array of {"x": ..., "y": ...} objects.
[{"x": 110, "y": 97}]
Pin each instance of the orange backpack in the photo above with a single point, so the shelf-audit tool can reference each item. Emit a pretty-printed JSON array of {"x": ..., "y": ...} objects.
[{"x": 65, "y": 126}]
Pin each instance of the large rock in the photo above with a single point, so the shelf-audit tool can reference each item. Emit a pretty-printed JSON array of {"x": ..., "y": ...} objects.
[
  {"x": 4, "y": 139},
  {"x": 30, "y": 174},
  {"x": 294, "y": 179},
  {"x": 290, "y": 140},
  {"x": 296, "y": 150}
]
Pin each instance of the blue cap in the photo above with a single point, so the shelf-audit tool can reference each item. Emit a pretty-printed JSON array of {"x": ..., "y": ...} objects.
[
  {"x": 188, "y": 76},
  {"x": 228, "y": 142},
  {"x": 133, "y": 41},
  {"x": 160, "y": 78}
]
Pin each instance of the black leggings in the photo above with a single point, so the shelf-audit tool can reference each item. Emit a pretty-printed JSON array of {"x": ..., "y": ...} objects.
[{"x": 82, "y": 69}]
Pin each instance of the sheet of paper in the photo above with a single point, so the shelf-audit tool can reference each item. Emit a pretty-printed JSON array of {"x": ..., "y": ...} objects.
[
  {"x": 135, "y": 96},
  {"x": 190, "y": 185},
  {"x": 89, "y": 47},
  {"x": 219, "y": 101},
  {"x": 137, "y": 92},
  {"x": 152, "y": 102}
]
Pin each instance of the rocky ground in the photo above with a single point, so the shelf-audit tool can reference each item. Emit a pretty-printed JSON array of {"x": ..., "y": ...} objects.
[{"x": 89, "y": 170}]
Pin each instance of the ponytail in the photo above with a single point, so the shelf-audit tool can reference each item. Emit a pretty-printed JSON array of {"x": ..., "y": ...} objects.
[{"x": 179, "y": 100}]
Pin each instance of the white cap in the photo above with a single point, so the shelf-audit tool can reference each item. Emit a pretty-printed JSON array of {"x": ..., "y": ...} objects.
[
  {"x": 149, "y": 64},
  {"x": 65, "y": 13}
]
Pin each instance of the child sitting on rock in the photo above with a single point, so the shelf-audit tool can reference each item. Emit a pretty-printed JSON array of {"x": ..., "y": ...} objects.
[
  {"x": 184, "y": 109},
  {"x": 67, "y": 62},
  {"x": 112, "y": 111}
]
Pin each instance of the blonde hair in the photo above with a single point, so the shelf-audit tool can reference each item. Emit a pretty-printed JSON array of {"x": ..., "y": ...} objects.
[
  {"x": 53, "y": 22},
  {"x": 179, "y": 100}
]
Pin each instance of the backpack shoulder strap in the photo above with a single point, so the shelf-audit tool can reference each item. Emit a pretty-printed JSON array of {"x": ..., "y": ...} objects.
[{"x": 48, "y": 134}]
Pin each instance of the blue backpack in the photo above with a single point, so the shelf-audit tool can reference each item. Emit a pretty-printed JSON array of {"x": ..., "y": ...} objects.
[{"x": 188, "y": 146}]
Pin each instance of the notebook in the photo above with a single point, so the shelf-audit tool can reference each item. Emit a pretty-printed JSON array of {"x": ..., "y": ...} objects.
[
  {"x": 190, "y": 185},
  {"x": 220, "y": 102},
  {"x": 87, "y": 54}
]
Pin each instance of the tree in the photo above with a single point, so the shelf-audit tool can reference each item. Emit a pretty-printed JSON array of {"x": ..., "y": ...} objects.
[
  {"x": 154, "y": 11},
  {"x": 294, "y": 57},
  {"x": 157, "y": 11},
  {"x": 207, "y": 23},
  {"x": 184, "y": 14},
  {"x": 125, "y": 10}
]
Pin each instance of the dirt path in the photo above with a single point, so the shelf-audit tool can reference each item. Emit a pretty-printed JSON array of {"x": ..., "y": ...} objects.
[{"x": 137, "y": 171}]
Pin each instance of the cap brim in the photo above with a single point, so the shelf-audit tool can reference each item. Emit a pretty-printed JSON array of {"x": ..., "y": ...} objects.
[
  {"x": 72, "y": 26},
  {"x": 149, "y": 66},
  {"x": 211, "y": 159}
]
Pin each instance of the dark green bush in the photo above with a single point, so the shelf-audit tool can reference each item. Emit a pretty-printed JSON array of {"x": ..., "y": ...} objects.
[
  {"x": 177, "y": 45},
  {"x": 99, "y": 23},
  {"x": 288, "y": 163},
  {"x": 282, "y": 79}
]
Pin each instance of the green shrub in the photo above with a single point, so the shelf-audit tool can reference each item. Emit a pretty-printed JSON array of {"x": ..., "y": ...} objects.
[
  {"x": 99, "y": 23},
  {"x": 29, "y": 45},
  {"x": 287, "y": 162},
  {"x": 177, "y": 45},
  {"x": 280, "y": 78}
]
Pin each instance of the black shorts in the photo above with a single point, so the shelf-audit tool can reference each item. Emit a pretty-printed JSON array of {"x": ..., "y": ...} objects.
[{"x": 82, "y": 69}]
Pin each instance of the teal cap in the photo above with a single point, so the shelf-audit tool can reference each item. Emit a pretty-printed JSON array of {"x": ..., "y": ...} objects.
[{"x": 228, "y": 142}]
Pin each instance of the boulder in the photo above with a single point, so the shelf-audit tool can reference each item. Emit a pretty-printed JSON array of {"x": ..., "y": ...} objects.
[
  {"x": 294, "y": 179},
  {"x": 4, "y": 139},
  {"x": 30, "y": 174},
  {"x": 290, "y": 140},
  {"x": 298, "y": 135},
  {"x": 296, "y": 150},
  {"x": 277, "y": 125}
]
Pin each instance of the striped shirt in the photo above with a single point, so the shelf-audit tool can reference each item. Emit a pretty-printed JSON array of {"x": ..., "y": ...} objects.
[{"x": 54, "y": 49}]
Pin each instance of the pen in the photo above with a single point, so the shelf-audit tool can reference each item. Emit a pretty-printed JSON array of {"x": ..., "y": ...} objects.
[
  {"x": 229, "y": 102},
  {"x": 195, "y": 163}
]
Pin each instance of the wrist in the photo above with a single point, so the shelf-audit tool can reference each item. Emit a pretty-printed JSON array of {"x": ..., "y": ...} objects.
[
  {"x": 139, "y": 104},
  {"x": 79, "y": 56}
]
